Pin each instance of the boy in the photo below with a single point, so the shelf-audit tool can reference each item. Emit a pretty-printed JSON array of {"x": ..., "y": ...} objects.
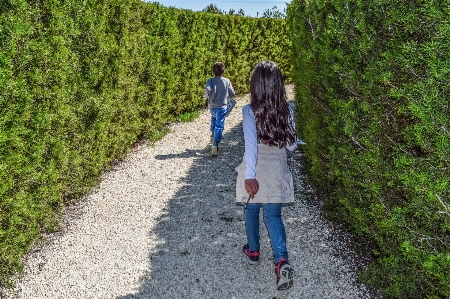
[{"x": 217, "y": 91}]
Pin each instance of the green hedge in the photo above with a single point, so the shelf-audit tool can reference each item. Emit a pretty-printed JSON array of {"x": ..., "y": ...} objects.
[
  {"x": 372, "y": 85},
  {"x": 80, "y": 81}
]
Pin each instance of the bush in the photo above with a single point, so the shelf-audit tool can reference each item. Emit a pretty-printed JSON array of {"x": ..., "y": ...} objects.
[
  {"x": 372, "y": 90},
  {"x": 83, "y": 80}
]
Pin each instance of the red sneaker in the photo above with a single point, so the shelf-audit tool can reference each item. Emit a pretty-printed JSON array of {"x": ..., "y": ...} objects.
[
  {"x": 284, "y": 275},
  {"x": 251, "y": 256}
]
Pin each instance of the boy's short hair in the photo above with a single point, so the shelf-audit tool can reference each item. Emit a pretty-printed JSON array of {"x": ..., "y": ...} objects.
[{"x": 218, "y": 68}]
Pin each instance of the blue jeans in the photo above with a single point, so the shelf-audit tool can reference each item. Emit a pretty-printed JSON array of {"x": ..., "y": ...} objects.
[
  {"x": 217, "y": 123},
  {"x": 274, "y": 225}
]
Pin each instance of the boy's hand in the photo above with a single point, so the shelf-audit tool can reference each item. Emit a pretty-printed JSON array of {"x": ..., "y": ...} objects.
[{"x": 252, "y": 187}]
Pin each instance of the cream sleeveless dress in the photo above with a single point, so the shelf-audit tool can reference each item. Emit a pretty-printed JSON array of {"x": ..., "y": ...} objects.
[{"x": 275, "y": 180}]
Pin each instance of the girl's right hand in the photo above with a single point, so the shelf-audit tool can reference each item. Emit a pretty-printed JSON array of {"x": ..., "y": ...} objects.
[{"x": 252, "y": 187}]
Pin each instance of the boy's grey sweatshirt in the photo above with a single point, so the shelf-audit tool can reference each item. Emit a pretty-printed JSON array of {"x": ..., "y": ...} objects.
[{"x": 217, "y": 91}]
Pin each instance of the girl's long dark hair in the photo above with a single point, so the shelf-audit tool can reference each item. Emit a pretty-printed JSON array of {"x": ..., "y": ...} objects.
[{"x": 268, "y": 103}]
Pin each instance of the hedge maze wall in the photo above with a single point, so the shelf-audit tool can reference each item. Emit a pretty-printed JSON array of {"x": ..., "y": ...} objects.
[{"x": 372, "y": 86}]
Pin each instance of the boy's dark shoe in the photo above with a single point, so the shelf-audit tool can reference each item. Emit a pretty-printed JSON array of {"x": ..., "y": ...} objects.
[
  {"x": 284, "y": 275},
  {"x": 214, "y": 150},
  {"x": 252, "y": 257}
]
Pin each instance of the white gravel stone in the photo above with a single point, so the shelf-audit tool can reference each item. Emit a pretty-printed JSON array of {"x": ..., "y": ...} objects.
[{"x": 163, "y": 224}]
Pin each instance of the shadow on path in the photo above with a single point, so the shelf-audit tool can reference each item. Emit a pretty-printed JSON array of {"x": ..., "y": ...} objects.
[
  {"x": 201, "y": 230},
  {"x": 187, "y": 154}
]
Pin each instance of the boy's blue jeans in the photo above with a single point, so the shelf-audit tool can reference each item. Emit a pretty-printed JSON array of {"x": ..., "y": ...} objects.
[
  {"x": 217, "y": 123},
  {"x": 274, "y": 225}
]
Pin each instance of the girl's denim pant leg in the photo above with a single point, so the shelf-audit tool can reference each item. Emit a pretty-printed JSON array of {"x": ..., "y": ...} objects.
[
  {"x": 274, "y": 225},
  {"x": 217, "y": 123}
]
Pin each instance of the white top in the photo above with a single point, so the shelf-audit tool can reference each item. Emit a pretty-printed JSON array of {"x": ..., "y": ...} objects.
[{"x": 251, "y": 140}]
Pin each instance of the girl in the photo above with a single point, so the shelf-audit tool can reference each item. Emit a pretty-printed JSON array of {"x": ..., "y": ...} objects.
[{"x": 264, "y": 179}]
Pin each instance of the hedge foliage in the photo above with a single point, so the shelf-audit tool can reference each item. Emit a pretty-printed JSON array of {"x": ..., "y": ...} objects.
[
  {"x": 80, "y": 81},
  {"x": 372, "y": 84}
]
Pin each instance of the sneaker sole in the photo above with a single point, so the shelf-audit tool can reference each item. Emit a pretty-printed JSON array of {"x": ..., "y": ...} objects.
[
  {"x": 286, "y": 275},
  {"x": 253, "y": 263},
  {"x": 214, "y": 152}
]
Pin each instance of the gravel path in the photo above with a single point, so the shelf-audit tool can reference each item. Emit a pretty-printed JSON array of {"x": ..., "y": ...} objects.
[{"x": 163, "y": 224}]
